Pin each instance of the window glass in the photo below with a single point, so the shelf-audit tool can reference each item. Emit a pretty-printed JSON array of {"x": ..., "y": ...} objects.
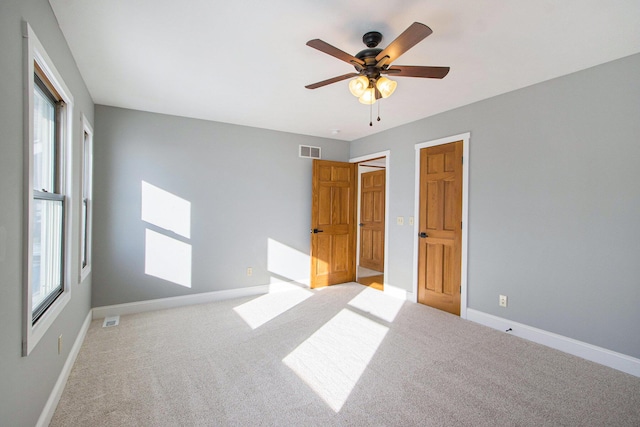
[
  {"x": 86, "y": 200},
  {"x": 46, "y": 273},
  {"x": 48, "y": 204},
  {"x": 44, "y": 141}
]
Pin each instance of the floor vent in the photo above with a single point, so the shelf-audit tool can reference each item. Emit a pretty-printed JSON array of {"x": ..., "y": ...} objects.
[
  {"x": 309, "y": 152},
  {"x": 111, "y": 321}
]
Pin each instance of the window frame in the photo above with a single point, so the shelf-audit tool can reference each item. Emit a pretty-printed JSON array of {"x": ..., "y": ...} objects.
[
  {"x": 34, "y": 53},
  {"x": 86, "y": 194}
]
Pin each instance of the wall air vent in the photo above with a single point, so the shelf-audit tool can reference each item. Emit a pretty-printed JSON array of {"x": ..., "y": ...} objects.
[
  {"x": 309, "y": 152},
  {"x": 111, "y": 321}
]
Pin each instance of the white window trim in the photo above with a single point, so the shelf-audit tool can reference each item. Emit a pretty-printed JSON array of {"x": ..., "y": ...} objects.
[
  {"x": 35, "y": 52},
  {"x": 86, "y": 129}
]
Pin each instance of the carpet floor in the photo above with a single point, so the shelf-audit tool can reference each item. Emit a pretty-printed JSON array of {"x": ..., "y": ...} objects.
[{"x": 347, "y": 355}]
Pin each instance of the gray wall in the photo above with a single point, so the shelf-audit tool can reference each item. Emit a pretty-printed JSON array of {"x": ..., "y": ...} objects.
[
  {"x": 245, "y": 186},
  {"x": 554, "y": 204},
  {"x": 26, "y": 382},
  {"x": 554, "y": 210}
]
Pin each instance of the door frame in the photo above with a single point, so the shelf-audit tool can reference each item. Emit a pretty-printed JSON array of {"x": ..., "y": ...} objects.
[
  {"x": 465, "y": 138},
  {"x": 386, "y": 154}
]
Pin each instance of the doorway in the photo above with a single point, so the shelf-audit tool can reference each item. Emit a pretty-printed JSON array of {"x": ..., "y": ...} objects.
[
  {"x": 335, "y": 230},
  {"x": 372, "y": 208},
  {"x": 441, "y": 231}
]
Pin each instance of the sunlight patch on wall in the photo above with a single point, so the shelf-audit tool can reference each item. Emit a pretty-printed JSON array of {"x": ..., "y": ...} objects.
[
  {"x": 261, "y": 310},
  {"x": 378, "y": 304},
  {"x": 287, "y": 262},
  {"x": 332, "y": 360},
  {"x": 167, "y": 258},
  {"x": 166, "y": 210}
]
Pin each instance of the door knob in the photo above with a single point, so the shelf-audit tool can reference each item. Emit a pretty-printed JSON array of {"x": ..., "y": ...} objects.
[
  {"x": 315, "y": 231},
  {"x": 423, "y": 235},
  {"x": 361, "y": 224}
]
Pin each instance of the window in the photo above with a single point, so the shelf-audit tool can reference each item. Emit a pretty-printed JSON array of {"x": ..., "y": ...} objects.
[
  {"x": 86, "y": 213},
  {"x": 48, "y": 200},
  {"x": 47, "y": 215}
]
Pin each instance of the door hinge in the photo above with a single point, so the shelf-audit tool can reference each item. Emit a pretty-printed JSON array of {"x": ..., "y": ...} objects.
[
  {"x": 461, "y": 225},
  {"x": 460, "y": 288},
  {"x": 462, "y": 160}
]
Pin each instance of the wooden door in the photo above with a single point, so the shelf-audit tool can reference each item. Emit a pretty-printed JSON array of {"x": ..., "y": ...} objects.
[
  {"x": 333, "y": 221},
  {"x": 440, "y": 247},
  {"x": 372, "y": 187}
]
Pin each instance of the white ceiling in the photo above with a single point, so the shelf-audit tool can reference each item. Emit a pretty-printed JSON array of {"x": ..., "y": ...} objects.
[{"x": 246, "y": 62}]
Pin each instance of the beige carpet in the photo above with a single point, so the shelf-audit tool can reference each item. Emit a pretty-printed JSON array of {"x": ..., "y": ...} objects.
[{"x": 347, "y": 355}]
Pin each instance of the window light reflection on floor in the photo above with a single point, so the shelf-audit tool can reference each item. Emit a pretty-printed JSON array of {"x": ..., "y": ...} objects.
[
  {"x": 332, "y": 360},
  {"x": 261, "y": 310},
  {"x": 374, "y": 302}
]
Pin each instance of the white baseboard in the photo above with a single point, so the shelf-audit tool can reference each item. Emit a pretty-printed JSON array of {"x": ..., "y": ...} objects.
[
  {"x": 600, "y": 355},
  {"x": 56, "y": 393},
  {"x": 173, "y": 302}
]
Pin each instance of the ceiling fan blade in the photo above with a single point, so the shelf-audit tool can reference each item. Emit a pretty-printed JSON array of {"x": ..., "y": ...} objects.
[
  {"x": 334, "y": 51},
  {"x": 417, "y": 71},
  {"x": 405, "y": 41},
  {"x": 332, "y": 80}
]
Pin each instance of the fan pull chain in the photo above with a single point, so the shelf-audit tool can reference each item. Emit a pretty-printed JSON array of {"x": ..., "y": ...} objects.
[
  {"x": 370, "y": 114},
  {"x": 379, "y": 109}
]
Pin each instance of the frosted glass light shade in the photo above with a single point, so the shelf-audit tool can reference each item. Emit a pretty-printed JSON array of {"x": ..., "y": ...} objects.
[
  {"x": 358, "y": 86},
  {"x": 386, "y": 86},
  {"x": 368, "y": 97}
]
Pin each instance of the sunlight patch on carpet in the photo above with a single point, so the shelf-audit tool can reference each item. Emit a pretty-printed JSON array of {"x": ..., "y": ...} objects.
[
  {"x": 261, "y": 310},
  {"x": 332, "y": 360},
  {"x": 378, "y": 304}
]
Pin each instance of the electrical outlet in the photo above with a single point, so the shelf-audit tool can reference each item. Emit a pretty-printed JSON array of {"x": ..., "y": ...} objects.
[
  {"x": 410, "y": 220},
  {"x": 60, "y": 344},
  {"x": 400, "y": 220},
  {"x": 502, "y": 301},
  {"x": 249, "y": 271}
]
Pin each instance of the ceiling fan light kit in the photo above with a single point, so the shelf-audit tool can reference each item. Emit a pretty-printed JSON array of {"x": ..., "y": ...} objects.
[
  {"x": 369, "y": 83},
  {"x": 386, "y": 86},
  {"x": 368, "y": 97},
  {"x": 358, "y": 86}
]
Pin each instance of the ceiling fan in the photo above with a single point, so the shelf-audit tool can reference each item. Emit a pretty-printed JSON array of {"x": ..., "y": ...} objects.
[{"x": 373, "y": 63}]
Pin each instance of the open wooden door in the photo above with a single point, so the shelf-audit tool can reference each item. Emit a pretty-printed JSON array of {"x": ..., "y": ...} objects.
[
  {"x": 333, "y": 223},
  {"x": 440, "y": 243},
  {"x": 372, "y": 189}
]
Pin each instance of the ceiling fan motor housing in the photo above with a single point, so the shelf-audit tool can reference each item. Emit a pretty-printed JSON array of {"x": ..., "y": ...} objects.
[
  {"x": 371, "y": 39},
  {"x": 369, "y": 57}
]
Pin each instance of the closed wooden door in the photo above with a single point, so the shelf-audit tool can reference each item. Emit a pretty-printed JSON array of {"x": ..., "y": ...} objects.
[
  {"x": 440, "y": 241},
  {"x": 372, "y": 194},
  {"x": 333, "y": 217}
]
